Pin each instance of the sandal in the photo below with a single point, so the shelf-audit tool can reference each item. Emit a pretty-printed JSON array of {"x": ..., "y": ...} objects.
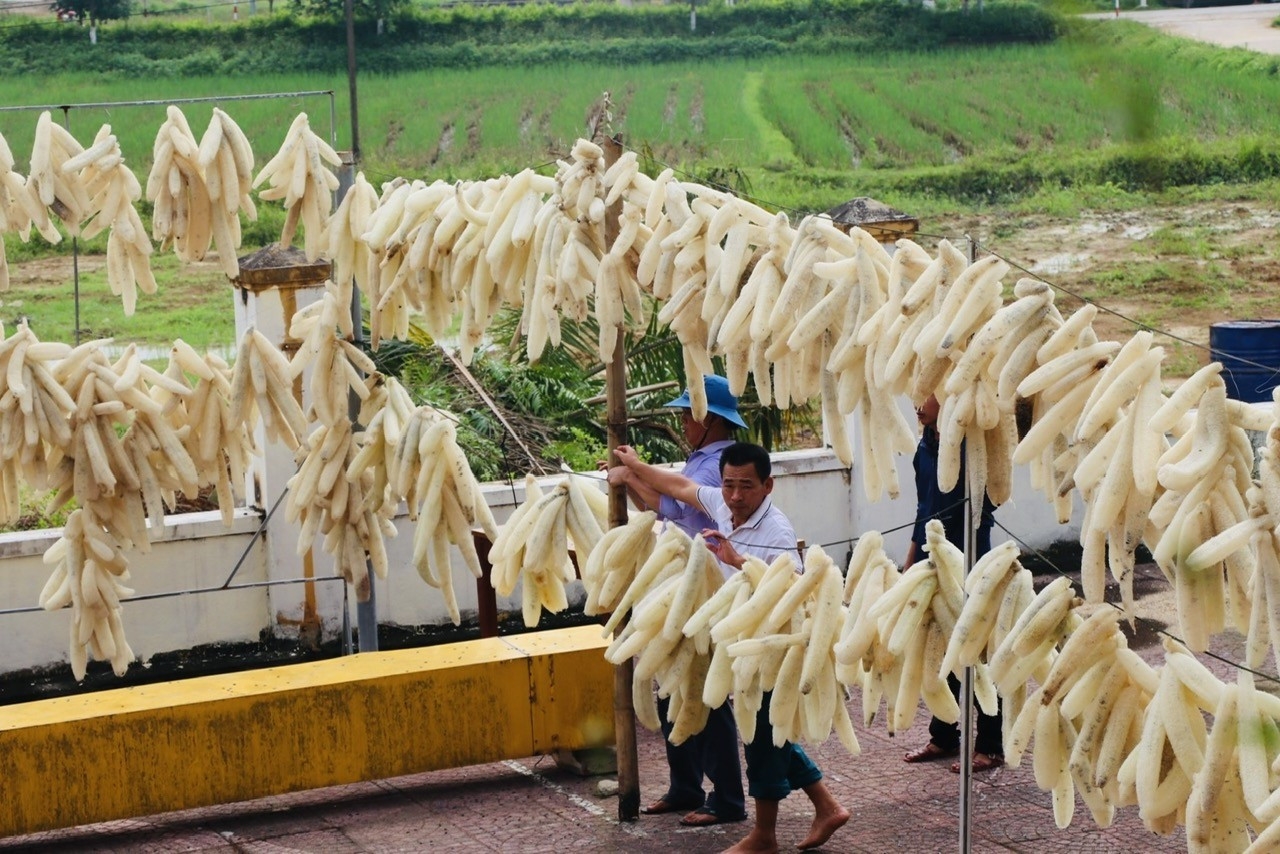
[
  {"x": 981, "y": 762},
  {"x": 703, "y": 817},
  {"x": 662, "y": 806},
  {"x": 930, "y": 753}
]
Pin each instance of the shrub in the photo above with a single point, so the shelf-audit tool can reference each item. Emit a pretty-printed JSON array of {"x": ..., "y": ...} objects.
[{"x": 535, "y": 33}]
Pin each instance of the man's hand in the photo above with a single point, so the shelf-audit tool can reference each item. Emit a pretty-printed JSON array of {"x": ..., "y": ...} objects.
[
  {"x": 627, "y": 455},
  {"x": 648, "y": 483},
  {"x": 720, "y": 546}
]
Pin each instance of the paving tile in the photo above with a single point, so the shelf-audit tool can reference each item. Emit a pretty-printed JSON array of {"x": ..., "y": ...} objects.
[{"x": 529, "y": 806}]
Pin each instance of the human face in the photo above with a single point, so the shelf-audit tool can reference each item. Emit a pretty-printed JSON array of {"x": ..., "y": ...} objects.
[
  {"x": 743, "y": 491},
  {"x": 928, "y": 412},
  {"x": 694, "y": 431}
]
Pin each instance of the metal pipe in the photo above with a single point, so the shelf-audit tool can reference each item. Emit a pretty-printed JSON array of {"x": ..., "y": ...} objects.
[
  {"x": 366, "y": 596},
  {"x": 966, "y": 693},
  {"x": 310, "y": 613},
  {"x": 262, "y": 526},
  {"x": 333, "y": 120},
  {"x": 347, "y": 647},
  {"x": 348, "y": 7},
  {"x": 75, "y": 244},
  {"x": 190, "y": 591},
  {"x": 166, "y": 101}
]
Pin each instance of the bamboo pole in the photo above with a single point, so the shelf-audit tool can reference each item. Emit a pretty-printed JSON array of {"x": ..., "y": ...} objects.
[{"x": 624, "y": 713}]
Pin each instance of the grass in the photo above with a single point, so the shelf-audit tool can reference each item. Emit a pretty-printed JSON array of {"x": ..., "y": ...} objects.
[
  {"x": 806, "y": 133},
  {"x": 194, "y": 303},
  {"x": 776, "y": 145},
  {"x": 868, "y": 112}
]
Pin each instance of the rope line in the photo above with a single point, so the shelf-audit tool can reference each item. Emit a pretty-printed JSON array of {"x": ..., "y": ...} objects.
[
  {"x": 262, "y": 526},
  {"x": 1130, "y": 320},
  {"x": 765, "y": 203},
  {"x": 1151, "y": 625},
  {"x": 162, "y": 102}
]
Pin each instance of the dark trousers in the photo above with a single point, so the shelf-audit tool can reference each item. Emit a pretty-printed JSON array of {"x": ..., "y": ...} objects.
[
  {"x": 947, "y": 736},
  {"x": 712, "y": 753}
]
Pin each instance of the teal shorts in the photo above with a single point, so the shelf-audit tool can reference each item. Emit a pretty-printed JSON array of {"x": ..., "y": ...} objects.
[{"x": 774, "y": 772}]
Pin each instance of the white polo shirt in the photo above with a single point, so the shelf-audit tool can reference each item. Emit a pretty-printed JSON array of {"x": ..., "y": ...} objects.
[{"x": 767, "y": 534}]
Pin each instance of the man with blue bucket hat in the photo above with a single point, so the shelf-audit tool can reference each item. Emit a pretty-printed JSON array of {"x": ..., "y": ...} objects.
[{"x": 712, "y": 753}]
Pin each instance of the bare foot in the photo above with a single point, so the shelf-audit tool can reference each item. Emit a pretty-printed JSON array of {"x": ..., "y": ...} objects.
[
  {"x": 756, "y": 842},
  {"x": 824, "y": 825}
]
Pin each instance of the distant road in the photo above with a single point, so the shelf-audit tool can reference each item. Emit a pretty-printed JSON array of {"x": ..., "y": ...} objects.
[{"x": 1231, "y": 26}]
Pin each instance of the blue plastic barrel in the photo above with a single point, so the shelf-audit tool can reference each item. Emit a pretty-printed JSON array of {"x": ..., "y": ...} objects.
[{"x": 1250, "y": 354}]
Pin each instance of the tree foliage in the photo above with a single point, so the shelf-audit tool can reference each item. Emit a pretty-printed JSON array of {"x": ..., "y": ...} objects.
[
  {"x": 93, "y": 11},
  {"x": 362, "y": 9}
]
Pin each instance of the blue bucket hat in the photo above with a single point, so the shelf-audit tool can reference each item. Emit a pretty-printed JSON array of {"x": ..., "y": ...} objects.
[{"x": 719, "y": 400}]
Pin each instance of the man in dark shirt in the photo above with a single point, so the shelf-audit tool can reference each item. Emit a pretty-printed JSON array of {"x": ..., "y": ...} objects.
[{"x": 950, "y": 509}]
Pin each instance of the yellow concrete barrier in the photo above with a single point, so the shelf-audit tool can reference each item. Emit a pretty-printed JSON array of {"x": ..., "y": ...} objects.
[{"x": 218, "y": 739}]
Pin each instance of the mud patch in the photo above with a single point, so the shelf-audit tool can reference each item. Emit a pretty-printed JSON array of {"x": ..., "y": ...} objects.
[
  {"x": 444, "y": 145},
  {"x": 696, "y": 118},
  {"x": 850, "y": 138},
  {"x": 395, "y": 128},
  {"x": 954, "y": 143},
  {"x": 1060, "y": 263},
  {"x": 525, "y": 126},
  {"x": 1111, "y": 257},
  {"x": 473, "y": 138},
  {"x": 671, "y": 105}
]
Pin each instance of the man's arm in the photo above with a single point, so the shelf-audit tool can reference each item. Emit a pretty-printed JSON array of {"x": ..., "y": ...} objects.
[
  {"x": 639, "y": 475},
  {"x": 645, "y": 497}
]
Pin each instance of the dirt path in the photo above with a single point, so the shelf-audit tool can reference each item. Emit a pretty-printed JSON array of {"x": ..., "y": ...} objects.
[{"x": 1177, "y": 270}]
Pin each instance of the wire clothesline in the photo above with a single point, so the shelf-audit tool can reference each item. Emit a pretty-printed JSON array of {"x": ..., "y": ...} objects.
[
  {"x": 1026, "y": 548},
  {"x": 1130, "y": 320},
  {"x": 683, "y": 173},
  {"x": 744, "y": 542},
  {"x": 907, "y": 231},
  {"x": 1152, "y": 625},
  {"x": 1023, "y": 547}
]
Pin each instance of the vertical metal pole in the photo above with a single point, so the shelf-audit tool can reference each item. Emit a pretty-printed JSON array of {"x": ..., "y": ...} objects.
[
  {"x": 624, "y": 713},
  {"x": 366, "y": 598},
  {"x": 346, "y": 622},
  {"x": 333, "y": 121},
  {"x": 966, "y": 693},
  {"x": 75, "y": 242},
  {"x": 351, "y": 80}
]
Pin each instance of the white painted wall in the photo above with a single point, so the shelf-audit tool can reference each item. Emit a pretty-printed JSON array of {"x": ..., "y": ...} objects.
[{"x": 197, "y": 552}]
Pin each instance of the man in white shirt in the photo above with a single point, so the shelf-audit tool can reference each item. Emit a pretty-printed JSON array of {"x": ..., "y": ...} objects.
[
  {"x": 748, "y": 524},
  {"x": 712, "y": 753}
]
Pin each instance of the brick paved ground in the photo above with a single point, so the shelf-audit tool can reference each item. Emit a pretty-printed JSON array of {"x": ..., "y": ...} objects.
[{"x": 532, "y": 806}]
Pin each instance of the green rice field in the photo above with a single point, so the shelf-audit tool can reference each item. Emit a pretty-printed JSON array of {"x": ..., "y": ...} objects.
[{"x": 848, "y": 114}]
